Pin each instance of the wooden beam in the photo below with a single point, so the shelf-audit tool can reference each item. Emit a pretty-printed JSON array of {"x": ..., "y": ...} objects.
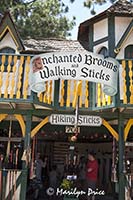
[
  {"x": 21, "y": 122},
  {"x": 121, "y": 109},
  {"x": 127, "y": 128},
  {"x": 3, "y": 116},
  {"x": 111, "y": 130},
  {"x": 40, "y": 125},
  {"x": 12, "y": 139}
]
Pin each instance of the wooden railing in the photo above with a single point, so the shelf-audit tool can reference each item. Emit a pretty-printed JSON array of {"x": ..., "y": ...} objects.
[
  {"x": 91, "y": 95},
  {"x": 14, "y": 76},
  {"x": 14, "y": 84},
  {"x": 126, "y": 82}
]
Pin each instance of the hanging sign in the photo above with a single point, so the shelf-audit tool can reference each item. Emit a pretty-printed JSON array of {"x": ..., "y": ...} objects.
[
  {"x": 129, "y": 144},
  {"x": 74, "y": 66},
  {"x": 83, "y": 120}
]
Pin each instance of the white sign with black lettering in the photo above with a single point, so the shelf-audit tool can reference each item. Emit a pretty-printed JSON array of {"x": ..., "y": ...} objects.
[
  {"x": 83, "y": 120},
  {"x": 74, "y": 66},
  {"x": 129, "y": 144}
]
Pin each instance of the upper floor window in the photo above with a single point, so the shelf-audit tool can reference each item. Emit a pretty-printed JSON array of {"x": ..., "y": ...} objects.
[
  {"x": 129, "y": 52},
  {"x": 104, "y": 52},
  {"x": 7, "y": 50}
]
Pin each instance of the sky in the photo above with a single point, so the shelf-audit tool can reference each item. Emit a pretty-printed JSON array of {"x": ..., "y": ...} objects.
[{"x": 77, "y": 9}]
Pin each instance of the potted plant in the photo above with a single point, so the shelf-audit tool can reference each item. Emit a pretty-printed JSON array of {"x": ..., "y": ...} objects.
[{"x": 68, "y": 190}]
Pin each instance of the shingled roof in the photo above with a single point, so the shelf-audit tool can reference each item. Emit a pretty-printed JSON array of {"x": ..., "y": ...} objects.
[
  {"x": 50, "y": 45},
  {"x": 121, "y": 7}
]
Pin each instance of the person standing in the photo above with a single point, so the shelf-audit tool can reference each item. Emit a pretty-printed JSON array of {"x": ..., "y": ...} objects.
[
  {"x": 39, "y": 164},
  {"x": 1, "y": 161},
  {"x": 92, "y": 173},
  {"x": 53, "y": 177}
]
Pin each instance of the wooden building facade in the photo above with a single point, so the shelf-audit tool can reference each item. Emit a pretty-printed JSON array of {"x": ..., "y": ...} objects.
[{"x": 25, "y": 114}]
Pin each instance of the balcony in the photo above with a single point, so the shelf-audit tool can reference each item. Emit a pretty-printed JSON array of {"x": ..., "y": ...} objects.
[{"x": 15, "y": 89}]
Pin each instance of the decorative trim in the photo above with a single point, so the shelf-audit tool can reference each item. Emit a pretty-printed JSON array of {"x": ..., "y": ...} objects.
[
  {"x": 21, "y": 122},
  {"x": 124, "y": 38},
  {"x": 127, "y": 128},
  {"x": 111, "y": 35},
  {"x": 40, "y": 125},
  {"x": 100, "y": 41},
  {"x": 91, "y": 37},
  {"x": 7, "y": 24},
  {"x": 3, "y": 116},
  {"x": 111, "y": 130},
  {"x": 9, "y": 30}
]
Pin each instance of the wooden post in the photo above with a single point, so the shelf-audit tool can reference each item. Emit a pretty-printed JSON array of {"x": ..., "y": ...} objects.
[
  {"x": 121, "y": 159},
  {"x": 26, "y": 149}
]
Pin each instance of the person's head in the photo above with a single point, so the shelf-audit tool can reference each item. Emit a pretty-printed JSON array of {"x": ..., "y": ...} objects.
[
  {"x": 1, "y": 157},
  {"x": 91, "y": 156},
  {"x": 38, "y": 156}
]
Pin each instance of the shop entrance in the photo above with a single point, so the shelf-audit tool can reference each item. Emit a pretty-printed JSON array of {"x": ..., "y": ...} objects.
[{"x": 54, "y": 143}]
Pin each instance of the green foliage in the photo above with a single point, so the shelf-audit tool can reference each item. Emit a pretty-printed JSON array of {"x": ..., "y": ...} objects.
[
  {"x": 91, "y": 4},
  {"x": 39, "y": 18},
  {"x": 66, "y": 184},
  {"x": 44, "y": 18}
]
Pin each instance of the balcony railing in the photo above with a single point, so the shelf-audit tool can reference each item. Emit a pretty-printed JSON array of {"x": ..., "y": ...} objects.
[
  {"x": 14, "y": 85},
  {"x": 14, "y": 76},
  {"x": 126, "y": 82}
]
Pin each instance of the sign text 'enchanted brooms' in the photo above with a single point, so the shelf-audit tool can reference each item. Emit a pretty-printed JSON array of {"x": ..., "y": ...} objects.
[{"x": 74, "y": 66}]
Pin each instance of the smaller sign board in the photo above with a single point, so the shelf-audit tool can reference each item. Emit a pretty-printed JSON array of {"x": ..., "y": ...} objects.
[
  {"x": 129, "y": 144},
  {"x": 83, "y": 120}
]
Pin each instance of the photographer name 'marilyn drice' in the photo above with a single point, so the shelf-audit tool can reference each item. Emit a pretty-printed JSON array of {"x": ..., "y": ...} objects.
[{"x": 77, "y": 193}]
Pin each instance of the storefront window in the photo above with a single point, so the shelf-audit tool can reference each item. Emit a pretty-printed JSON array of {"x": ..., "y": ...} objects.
[{"x": 7, "y": 50}]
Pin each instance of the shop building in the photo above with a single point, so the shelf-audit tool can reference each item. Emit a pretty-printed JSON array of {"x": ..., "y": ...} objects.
[{"x": 24, "y": 115}]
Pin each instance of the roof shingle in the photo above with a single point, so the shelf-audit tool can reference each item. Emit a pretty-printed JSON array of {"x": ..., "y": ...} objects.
[
  {"x": 121, "y": 7},
  {"x": 50, "y": 45}
]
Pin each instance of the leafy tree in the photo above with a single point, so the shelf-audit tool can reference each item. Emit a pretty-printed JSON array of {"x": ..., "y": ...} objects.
[
  {"x": 44, "y": 18},
  {"x": 39, "y": 18},
  {"x": 91, "y": 3}
]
